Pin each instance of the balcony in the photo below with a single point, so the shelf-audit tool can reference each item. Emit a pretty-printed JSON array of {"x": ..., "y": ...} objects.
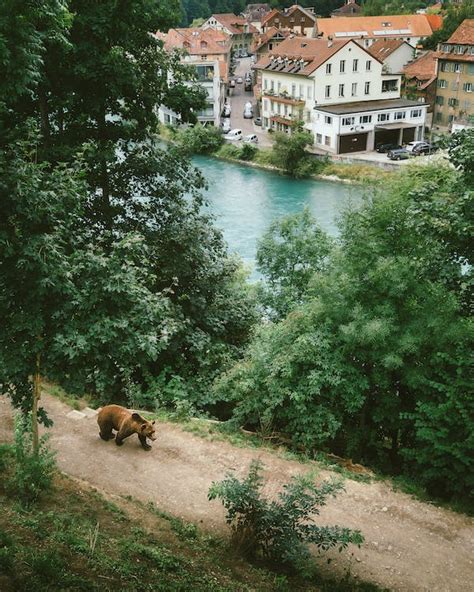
[{"x": 283, "y": 98}]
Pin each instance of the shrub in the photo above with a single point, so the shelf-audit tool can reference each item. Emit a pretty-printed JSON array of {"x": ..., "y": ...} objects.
[
  {"x": 247, "y": 152},
  {"x": 290, "y": 150},
  {"x": 33, "y": 473},
  {"x": 229, "y": 151},
  {"x": 200, "y": 139},
  {"x": 280, "y": 530}
]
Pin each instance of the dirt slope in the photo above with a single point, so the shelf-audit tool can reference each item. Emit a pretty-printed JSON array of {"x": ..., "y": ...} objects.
[{"x": 410, "y": 546}]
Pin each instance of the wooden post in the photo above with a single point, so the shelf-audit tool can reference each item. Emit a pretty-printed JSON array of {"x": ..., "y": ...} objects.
[{"x": 34, "y": 407}]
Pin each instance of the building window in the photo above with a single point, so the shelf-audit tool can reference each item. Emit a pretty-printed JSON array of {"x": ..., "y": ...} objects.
[
  {"x": 309, "y": 92},
  {"x": 383, "y": 117},
  {"x": 341, "y": 90},
  {"x": 354, "y": 89},
  {"x": 366, "y": 118},
  {"x": 457, "y": 67},
  {"x": 328, "y": 120},
  {"x": 452, "y": 102},
  {"x": 265, "y": 104},
  {"x": 355, "y": 65},
  {"x": 368, "y": 65},
  {"x": 272, "y": 85},
  {"x": 319, "y": 139},
  {"x": 439, "y": 117},
  {"x": 467, "y": 87},
  {"x": 301, "y": 91},
  {"x": 293, "y": 90},
  {"x": 327, "y": 140},
  {"x": 400, "y": 115},
  {"x": 450, "y": 118},
  {"x": 348, "y": 120},
  {"x": 342, "y": 66},
  {"x": 389, "y": 85},
  {"x": 442, "y": 83},
  {"x": 328, "y": 92},
  {"x": 367, "y": 88},
  {"x": 328, "y": 68},
  {"x": 278, "y": 87},
  {"x": 445, "y": 67},
  {"x": 416, "y": 113},
  {"x": 265, "y": 84},
  {"x": 440, "y": 100}
]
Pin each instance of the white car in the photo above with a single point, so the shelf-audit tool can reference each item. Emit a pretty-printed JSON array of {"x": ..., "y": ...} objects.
[
  {"x": 251, "y": 139},
  {"x": 233, "y": 135},
  {"x": 248, "y": 111},
  {"x": 226, "y": 126},
  {"x": 412, "y": 145}
]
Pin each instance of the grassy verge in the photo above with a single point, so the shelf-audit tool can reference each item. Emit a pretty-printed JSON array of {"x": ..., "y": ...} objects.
[{"x": 75, "y": 539}]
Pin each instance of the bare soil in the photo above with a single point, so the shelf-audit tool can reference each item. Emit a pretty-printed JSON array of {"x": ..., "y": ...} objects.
[{"x": 409, "y": 545}]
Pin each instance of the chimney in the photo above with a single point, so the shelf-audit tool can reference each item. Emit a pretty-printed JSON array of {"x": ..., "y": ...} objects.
[{"x": 330, "y": 41}]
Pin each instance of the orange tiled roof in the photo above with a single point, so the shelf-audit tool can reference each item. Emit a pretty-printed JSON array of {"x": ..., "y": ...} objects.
[
  {"x": 435, "y": 20},
  {"x": 235, "y": 24},
  {"x": 381, "y": 49},
  {"x": 269, "y": 33},
  {"x": 268, "y": 16},
  {"x": 288, "y": 12},
  {"x": 464, "y": 34},
  {"x": 303, "y": 55},
  {"x": 423, "y": 68},
  {"x": 196, "y": 41},
  {"x": 410, "y": 25}
]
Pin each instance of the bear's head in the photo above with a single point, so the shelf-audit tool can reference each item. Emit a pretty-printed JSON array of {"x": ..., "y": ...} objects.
[{"x": 146, "y": 428}]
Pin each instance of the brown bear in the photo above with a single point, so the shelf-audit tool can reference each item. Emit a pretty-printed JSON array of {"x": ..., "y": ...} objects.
[{"x": 126, "y": 423}]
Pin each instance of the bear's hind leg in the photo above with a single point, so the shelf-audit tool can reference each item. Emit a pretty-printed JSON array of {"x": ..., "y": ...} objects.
[{"x": 106, "y": 435}]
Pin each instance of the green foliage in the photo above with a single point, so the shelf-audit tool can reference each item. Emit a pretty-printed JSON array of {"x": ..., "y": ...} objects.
[
  {"x": 455, "y": 15},
  {"x": 289, "y": 151},
  {"x": 280, "y": 530},
  {"x": 32, "y": 474},
  {"x": 200, "y": 139},
  {"x": 247, "y": 151},
  {"x": 288, "y": 255}
]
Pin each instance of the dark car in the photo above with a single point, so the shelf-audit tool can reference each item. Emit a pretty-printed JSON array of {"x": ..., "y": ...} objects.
[
  {"x": 386, "y": 147},
  {"x": 258, "y": 121},
  {"x": 398, "y": 154},
  {"x": 425, "y": 148}
]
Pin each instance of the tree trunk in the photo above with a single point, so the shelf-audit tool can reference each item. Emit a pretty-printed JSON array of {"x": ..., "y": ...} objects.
[{"x": 34, "y": 408}]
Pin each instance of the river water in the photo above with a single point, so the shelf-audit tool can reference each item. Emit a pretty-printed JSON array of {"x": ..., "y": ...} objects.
[{"x": 245, "y": 200}]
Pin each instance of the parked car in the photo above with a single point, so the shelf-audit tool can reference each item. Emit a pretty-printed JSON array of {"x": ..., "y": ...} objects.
[
  {"x": 227, "y": 110},
  {"x": 225, "y": 125},
  {"x": 248, "y": 84},
  {"x": 239, "y": 80},
  {"x": 382, "y": 148},
  {"x": 232, "y": 83},
  {"x": 248, "y": 111},
  {"x": 411, "y": 145},
  {"x": 398, "y": 154},
  {"x": 258, "y": 121},
  {"x": 425, "y": 148},
  {"x": 233, "y": 135},
  {"x": 251, "y": 139}
]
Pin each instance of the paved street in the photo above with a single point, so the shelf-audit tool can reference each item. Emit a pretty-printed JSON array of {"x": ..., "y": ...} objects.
[{"x": 238, "y": 97}]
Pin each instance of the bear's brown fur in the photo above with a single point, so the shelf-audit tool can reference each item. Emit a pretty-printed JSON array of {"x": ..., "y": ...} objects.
[{"x": 125, "y": 423}]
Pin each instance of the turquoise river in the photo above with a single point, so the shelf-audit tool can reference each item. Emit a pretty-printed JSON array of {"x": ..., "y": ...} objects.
[{"x": 245, "y": 200}]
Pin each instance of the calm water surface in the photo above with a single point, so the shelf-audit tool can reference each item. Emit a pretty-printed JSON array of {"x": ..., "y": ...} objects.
[{"x": 246, "y": 200}]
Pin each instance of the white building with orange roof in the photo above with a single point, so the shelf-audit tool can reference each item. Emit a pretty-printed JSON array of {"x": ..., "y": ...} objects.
[
  {"x": 339, "y": 92},
  {"x": 208, "y": 51},
  {"x": 412, "y": 28},
  {"x": 238, "y": 28},
  {"x": 393, "y": 53}
]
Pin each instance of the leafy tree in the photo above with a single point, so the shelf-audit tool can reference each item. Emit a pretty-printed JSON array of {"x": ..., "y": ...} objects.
[
  {"x": 454, "y": 17},
  {"x": 288, "y": 255},
  {"x": 200, "y": 139},
  {"x": 289, "y": 150}
]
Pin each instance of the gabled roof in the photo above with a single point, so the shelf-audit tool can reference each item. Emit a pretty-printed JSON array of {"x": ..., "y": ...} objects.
[
  {"x": 255, "y": 12},
  {"x": 464, "y": 34},
  {"x": 301, "y": 55},
  {"x": 423, "y": 68},
  {"x": 350, "y": 7},
  {"x": 288, "y": 12},
  {"x": 234, "y": 23},
  {"x": 265, "y": 37},
  {"x": 196, "y": 41},
  {"x": 381, "y": 49},
  {"x": 404, "y": 25},
  {"x": 435, "y": 20}
]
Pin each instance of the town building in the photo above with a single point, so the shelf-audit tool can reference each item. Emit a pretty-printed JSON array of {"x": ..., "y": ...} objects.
[
  {"x": 455, "y": 88},
  {"x": 412, "y": 28},
  {"x": 269, "y": 40},
  {"x": 419, "y": 80},
  {"x": 254, "y": 13},
  {"x": 208, "y": 51},
  {"x": 297, "y": 19},
  {"x": 393, "y": 53},
  {"x": 238, "y": 28},
  {"x": 349, "y": 8},
  {"x": 339, "y": 92}
]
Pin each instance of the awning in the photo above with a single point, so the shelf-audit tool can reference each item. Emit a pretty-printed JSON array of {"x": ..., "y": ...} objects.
[{"x": 399, "y": 125}]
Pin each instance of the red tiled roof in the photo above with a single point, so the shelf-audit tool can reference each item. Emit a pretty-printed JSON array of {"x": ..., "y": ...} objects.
[
  {"x": 268, "y": 16},
  {"x": 417, "y": 25},
  {"x": 464, "y": 34},
  {"x": 269, "y": 33},
  {"x": 435, "y": 20},
  {"x": 381, "y": 49},
  {"x": 423, "y": 68},
  {"x": 288, "y": 12},
  {"x": 235, "y": 24},
  {"x": 304, "y": 55},
  {"x": 196, "y": 41}
]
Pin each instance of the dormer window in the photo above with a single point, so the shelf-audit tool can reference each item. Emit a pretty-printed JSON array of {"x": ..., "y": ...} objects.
[
  {"x": 386, "y": 24},
  {"x": 203, "y": 44}
]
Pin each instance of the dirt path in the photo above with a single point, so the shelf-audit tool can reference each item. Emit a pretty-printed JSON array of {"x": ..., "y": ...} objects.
[{"x": 410, "y": 546}]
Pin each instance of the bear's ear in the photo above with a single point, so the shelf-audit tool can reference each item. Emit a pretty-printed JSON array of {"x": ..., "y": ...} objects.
[{"x": 136, "y": 416}]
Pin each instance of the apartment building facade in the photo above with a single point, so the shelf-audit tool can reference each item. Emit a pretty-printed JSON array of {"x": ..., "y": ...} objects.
[
  {"x": 296, "y": 19},
  {"x": 240, "y": 31},
  {"x": 339, "y": 92},
  {"x": 455, "y": 85}
]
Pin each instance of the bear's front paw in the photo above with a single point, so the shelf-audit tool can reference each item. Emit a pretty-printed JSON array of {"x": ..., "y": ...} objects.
[{"x": 146, "y": 447}]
